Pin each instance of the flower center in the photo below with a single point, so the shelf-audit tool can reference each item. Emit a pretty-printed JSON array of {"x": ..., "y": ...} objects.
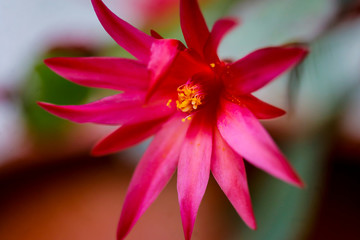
[{"x": 190, "y": 97}]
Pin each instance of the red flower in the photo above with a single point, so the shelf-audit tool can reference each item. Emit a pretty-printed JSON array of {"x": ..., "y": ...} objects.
[{"x": 200, "y": 109}]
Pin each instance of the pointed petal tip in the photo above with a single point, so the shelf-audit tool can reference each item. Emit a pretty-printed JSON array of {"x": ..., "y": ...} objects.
[
  {"x": 155, "y": 34},
  {"x": 53, "y": 108},
  {"x": 45, "y": 105},
  {"x": 252, "y": 225},
  {"x": 127, "y": 36},
  {"x": 193, "y": 25},
  {"x": 293, "y": 178},
  {"x": 250, "y": 221},
  {"x": 234, "y": 21},
  {"x": 300, "y": 184},
  {"x": 98, "y": 149},
  {"x": 54, "y": 61},
  {"x": 187, "y": 234},
  {"x": 49, "y": 106},
  {"x": 188, "y": 229},
  {"x": 277, "y": 113},
  {"x": 304, "y": 51},
  {"x": 296, "y": 181},
  {"x": 282, "y": 112},
  {"x": 56, "y": 64},
  {"x": 47, "y": 61},
  {"x": 262, "y": 66},
  {"x": 300, "y": 51},
  {"x": 96, "y": 152},
  {"x": 121, "y": 234},
  {"x": 51, "y": 62},
  {"x": 254, "y": 143}
]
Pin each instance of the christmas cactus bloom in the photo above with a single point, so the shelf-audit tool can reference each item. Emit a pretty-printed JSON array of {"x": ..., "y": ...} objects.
[{"x": 199, "y": 108}]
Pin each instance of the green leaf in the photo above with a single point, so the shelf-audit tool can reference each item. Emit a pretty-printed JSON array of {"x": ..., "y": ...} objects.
[{"x": 43, "y": 84}]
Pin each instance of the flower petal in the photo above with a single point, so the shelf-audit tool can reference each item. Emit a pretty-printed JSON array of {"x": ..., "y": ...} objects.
[
  {"x": 131, "y": 39},
  {"x": 228, "y": 170},
  {"x": 118, "y": 109},
  {"x": 244, "y": 133},
  {"x": 194, "y": 170},
  {"x": 152, "y": 173},
  {"x": 193, "y": 25},
  {"x": 102, "y": 72},
  {"x": 155, "y": 34},
  {"x": 171, "y": 65},
  {"x": 260, "y": 67},
  {"x": 220, "y": 29},
  {"x": 163, "y": 54},
  {"x": 127, "y": 136},
  {"x": 187, "y": 64},
  {"x": 260, "y": 109}
]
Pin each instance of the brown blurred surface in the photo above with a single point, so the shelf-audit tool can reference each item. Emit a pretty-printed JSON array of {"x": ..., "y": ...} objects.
[
  {"x": 339, "y": 211},
  {"x": 82, "y": 199}
]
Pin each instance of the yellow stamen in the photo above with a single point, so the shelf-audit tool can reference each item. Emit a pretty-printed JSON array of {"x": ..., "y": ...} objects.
[
  {"x": 212, "y": 65},
  {"x": 190, "y": 97},
  {"x": 168, "y": 103},
  {"x": 186, "y": 118}
]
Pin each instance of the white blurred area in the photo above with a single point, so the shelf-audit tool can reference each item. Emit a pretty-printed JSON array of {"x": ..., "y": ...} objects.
[
  {"x": 27, "y": 29},
  {"x": 11, "y": 132}
]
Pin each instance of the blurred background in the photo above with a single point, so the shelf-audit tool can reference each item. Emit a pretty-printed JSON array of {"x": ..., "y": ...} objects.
[{"x": 50, "y": 187}]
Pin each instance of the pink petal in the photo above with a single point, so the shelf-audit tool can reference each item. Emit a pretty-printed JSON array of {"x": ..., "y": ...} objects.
[
  {"x": 118, "y": 109},
  {"x": 228, "y": 169},
  {"x": 193, "y": 25},
  {"x": 171, "y": 66},
  {"x": 260, "y": 67},
  {"x": 152, "y": 173},
  {"x": 163, "y": 54},
  {"x": 131, "y": 39},
  {"x": 187, "y": 64},
  {"x": 155, "y": 34},
  {"x": 244, "y": 133},
  {"x": 102, "y": 72},
  {"x": 260, "y": 109},
  {"x": 194, "y": 170},
  {"x": 220, "y": 29},
  {"x": 127, "y": 136}
]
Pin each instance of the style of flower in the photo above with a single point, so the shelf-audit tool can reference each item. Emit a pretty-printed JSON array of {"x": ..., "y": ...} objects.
[{"x": 200, "y": 109}]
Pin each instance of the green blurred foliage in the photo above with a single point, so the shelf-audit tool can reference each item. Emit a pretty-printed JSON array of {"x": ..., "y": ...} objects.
[{"x": 43, "y": 84}]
